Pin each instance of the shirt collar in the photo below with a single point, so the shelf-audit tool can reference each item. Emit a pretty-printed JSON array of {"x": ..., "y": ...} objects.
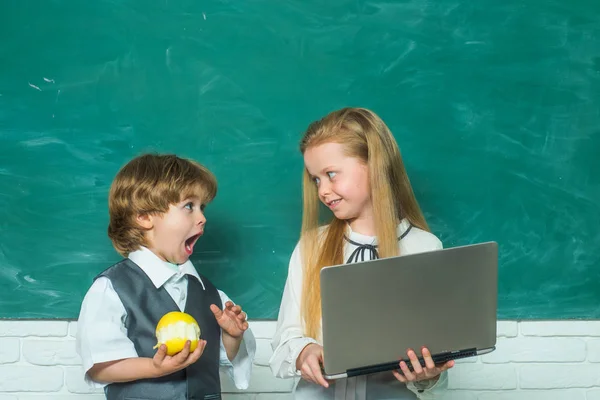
[
  {"x": 402, "y": 229},
  {"x": 160, "y": 271}
]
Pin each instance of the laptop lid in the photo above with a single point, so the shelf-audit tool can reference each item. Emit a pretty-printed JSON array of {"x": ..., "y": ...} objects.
[{"x": 373, "y": 311}]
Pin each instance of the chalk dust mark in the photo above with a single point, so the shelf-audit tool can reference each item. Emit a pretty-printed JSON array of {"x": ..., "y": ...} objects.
[
  {"x": 410, "y": 48},
  {"x": 168, "y": 57}
]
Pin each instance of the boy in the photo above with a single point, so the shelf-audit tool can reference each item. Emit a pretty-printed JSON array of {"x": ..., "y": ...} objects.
[{"x": 156, "y": 210}]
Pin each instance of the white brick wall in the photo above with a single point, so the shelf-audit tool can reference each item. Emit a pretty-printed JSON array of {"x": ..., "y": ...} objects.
[{"x": 546, "y": 360}]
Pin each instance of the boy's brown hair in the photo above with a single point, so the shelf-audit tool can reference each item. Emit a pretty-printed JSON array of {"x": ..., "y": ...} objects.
[{"x": 149, "y": 184}]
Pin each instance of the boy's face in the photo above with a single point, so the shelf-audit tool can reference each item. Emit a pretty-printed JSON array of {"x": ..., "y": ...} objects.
[{"x": 172, "y": 235}]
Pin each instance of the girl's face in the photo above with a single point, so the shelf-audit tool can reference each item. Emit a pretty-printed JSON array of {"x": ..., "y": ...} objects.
[{"x": 342, "y": 182}]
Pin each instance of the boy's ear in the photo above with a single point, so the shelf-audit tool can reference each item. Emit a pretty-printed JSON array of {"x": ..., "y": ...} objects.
[{"x": 145, "y": 221}]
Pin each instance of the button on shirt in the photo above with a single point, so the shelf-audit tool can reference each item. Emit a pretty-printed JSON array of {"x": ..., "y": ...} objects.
[{"x": 101, "y": 333}]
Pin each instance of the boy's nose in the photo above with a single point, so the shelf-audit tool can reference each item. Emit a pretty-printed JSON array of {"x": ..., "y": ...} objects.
[{"x": 201, "y": 219}]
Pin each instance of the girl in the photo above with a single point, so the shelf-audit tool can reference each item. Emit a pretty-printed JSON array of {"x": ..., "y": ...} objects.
[{"x": 353, "y": 166}]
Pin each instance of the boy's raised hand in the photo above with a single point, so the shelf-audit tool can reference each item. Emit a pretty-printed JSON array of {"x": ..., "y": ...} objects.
[
  {"x": 166, "y": 365},
  {"x": 232, "y": 319}
]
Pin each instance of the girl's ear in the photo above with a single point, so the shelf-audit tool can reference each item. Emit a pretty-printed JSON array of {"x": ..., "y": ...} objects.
[{"x": 145, "y": 221}]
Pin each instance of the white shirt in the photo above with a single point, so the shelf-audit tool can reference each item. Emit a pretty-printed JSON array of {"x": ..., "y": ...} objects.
[
  {"x": 101, "y": 333},
  {"x": 289, "y": 339}
]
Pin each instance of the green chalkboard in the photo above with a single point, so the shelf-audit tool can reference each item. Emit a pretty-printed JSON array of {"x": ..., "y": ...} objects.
[{"x": 495, "y": 105}]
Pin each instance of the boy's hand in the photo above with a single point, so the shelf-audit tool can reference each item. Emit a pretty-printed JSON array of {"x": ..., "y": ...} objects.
[
  {"x": 166, "y": 365},
  {"x": 232, "y": 319}
]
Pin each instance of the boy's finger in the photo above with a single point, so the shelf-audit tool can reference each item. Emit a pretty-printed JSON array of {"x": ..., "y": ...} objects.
[
  {"x": 160, "y": 354},
  {"x": 197, "y": 352},
  {"x": 183, "y": 354},
  {"x": 202, "y": 347},
  {"x": 216, "y": 311}
]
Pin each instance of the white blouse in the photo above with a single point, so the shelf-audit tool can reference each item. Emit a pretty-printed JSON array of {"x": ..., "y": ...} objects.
[{"x": 289, "y": 339}]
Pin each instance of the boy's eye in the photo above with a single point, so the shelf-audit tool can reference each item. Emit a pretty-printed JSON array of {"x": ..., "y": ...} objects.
[
  {"x": 189, "y": 206},
  {"x": 202, "y": 207},
  {"x": 331, "y": 174}
]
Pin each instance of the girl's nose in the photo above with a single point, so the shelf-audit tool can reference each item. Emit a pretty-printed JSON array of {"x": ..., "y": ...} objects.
[{"x": 324, "y": 189}]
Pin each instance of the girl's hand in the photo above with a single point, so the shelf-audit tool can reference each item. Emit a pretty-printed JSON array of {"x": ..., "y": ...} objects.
[
  {"x": 419, "y": 373},
  {"x": 309, "y": 364}
]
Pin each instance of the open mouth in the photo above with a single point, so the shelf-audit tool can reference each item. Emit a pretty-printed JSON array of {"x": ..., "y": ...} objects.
[
  {"x": 333, "y": 203},
  {"x": 190, "y": 242}
]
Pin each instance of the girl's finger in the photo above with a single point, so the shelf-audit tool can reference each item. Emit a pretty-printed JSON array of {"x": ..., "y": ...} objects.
[
  {"x": 406, "y": 372},
  {"x": 429, "y": 364},
  {"x": 416, "y": 364},
  {"x": 399, "y": 376},
  {"x": 307, "y": 373},
  {"x": 447, "y": 365},
  {"x": 316, "y": 369}
]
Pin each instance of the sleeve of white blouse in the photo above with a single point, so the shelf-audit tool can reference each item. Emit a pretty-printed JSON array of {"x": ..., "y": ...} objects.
[
  {"x": 289, "y": 340},
  {"x": 430, "y": 390}
]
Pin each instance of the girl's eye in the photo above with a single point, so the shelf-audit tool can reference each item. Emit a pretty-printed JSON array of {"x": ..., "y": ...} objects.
[
  {"x": 316, "y": 180},
  {"x": 331, "y": 174}
]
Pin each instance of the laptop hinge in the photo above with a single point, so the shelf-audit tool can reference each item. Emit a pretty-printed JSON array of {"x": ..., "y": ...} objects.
[
  {"x": 439, "y": 358},
  {"x": 371, "y": 369}
]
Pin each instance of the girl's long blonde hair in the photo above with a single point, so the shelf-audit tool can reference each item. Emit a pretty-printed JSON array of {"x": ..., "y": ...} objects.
[{"x": 366, "y": 137}]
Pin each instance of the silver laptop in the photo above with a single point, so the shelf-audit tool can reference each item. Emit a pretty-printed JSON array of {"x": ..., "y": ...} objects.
[{"x": 373, "y": 311}]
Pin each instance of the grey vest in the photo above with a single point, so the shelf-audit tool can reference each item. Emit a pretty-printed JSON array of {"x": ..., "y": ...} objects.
[{"x": 145, "y": 305}]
